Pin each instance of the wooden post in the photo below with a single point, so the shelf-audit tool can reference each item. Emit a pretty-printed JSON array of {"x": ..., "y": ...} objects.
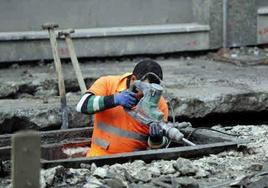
[{"x": 26, "y": 160}]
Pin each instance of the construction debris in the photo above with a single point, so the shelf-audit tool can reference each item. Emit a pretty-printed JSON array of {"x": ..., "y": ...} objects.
[
  {"x": 244, "y": 56},
  {"x": 227, "y": 166},
  {"x": 189, "y": 85}
]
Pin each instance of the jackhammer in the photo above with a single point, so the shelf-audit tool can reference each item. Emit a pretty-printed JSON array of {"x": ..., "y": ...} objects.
[{"x": 147, "y": 111}]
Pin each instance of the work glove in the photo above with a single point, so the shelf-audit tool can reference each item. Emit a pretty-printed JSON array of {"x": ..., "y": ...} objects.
[
  {"x": 125, "y": 98},
  {"x": 156, "y": 133},
  {"x": 156, "y": 137}
]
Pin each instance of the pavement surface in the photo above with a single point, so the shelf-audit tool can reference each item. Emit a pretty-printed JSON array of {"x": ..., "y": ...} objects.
[{"x": 194, "y": 87}]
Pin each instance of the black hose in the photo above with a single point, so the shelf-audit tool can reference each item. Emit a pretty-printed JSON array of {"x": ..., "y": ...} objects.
[
  {"x": 173, "y": 118},
  {"x": 207, "y": 128}
]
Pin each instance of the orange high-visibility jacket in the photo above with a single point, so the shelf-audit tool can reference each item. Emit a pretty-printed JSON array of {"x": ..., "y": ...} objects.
[{"x": 115, "y": 131}]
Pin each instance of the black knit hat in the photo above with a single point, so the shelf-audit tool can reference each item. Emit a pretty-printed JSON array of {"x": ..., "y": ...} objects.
[{"x": 148, "y": 69}]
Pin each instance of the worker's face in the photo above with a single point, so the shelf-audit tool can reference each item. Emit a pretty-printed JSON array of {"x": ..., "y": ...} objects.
[
  {"x": 133, "y": 78},
  {"x": 139, "y": 93}
]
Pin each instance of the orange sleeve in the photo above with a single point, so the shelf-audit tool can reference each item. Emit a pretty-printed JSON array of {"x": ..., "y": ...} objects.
[
  {"x": 100, "y": 86},
  {"x": 163, "y": 107}
]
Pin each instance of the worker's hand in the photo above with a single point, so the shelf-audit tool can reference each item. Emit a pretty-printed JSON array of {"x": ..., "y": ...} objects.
[
  {"x": 125, "y": 98},
  {"x": 156, "y": 138},
  {"x": 156, "y": 133}
]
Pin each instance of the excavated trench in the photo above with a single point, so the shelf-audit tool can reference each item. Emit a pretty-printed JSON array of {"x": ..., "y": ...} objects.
[
  {"x": 13, "y": 124},
  {"x": 227, "y": 119}
]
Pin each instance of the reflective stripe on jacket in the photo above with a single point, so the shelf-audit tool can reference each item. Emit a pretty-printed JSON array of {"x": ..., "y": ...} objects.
[{"x": 115, "y": 131}]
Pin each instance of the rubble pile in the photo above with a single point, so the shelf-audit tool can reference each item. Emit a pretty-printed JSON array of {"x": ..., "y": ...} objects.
[
  {"x": 225, "y": 166},
  {"x": 228, "y": 165}
]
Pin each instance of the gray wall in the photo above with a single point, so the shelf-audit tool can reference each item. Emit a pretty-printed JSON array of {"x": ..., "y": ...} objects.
[
  {"x": 209, "y": 12},
  {"x": 28, "y": 15},
  {"x": 243, "y": 25},
  {"x": 261, "y": 3}
]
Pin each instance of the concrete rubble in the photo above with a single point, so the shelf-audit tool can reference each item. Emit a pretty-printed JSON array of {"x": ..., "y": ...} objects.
[
  {"x": 200, "y": 172},
  {"x": 37, "y": 114},
  {"x": 228, "y": 165}
]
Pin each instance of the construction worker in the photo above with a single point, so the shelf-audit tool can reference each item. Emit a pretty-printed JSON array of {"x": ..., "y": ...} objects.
[{"x": 115, "y": 131}]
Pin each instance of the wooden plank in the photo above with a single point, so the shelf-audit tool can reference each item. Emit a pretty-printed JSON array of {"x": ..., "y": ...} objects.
[
  {"x": 54, "y": 136},
  {"x": 55, "y": 151},
  {"x": 55, "y": 141},
  {"x": 48, "y": 151},
  {"x": 147, "y": 156},
  {"x": 67, "y": 134}
]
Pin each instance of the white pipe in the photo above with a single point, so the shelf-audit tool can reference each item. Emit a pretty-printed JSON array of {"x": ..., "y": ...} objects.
[
  {"x": 188, "y": 142},
  {"x": 224, "y": 12}
]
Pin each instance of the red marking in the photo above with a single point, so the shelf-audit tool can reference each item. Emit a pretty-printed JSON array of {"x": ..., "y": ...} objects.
[
  {"x": 263, "y": 31},
  {"x": 77, "y": 144},
  {"x": 193, "y": 43}
]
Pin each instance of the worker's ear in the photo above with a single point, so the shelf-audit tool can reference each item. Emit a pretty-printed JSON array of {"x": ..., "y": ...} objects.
[{"x": 133, "y": 77}]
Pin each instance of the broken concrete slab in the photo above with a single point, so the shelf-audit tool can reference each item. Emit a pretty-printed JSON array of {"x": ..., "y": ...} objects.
[
  {"x": 199, "y": 87},
  {"x": 27, "y": 81},
  {"x": 37, "y": 114},
  {"x": 195, "y": 87}
]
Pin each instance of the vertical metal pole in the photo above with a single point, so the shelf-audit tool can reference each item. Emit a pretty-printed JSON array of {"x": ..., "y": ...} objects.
[
  {"x": 26, "y": 160},
  {"x": 225, "y": 17}
]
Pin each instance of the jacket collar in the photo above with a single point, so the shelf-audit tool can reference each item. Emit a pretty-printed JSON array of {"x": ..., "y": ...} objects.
[{"x": 122, "y": 85}]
